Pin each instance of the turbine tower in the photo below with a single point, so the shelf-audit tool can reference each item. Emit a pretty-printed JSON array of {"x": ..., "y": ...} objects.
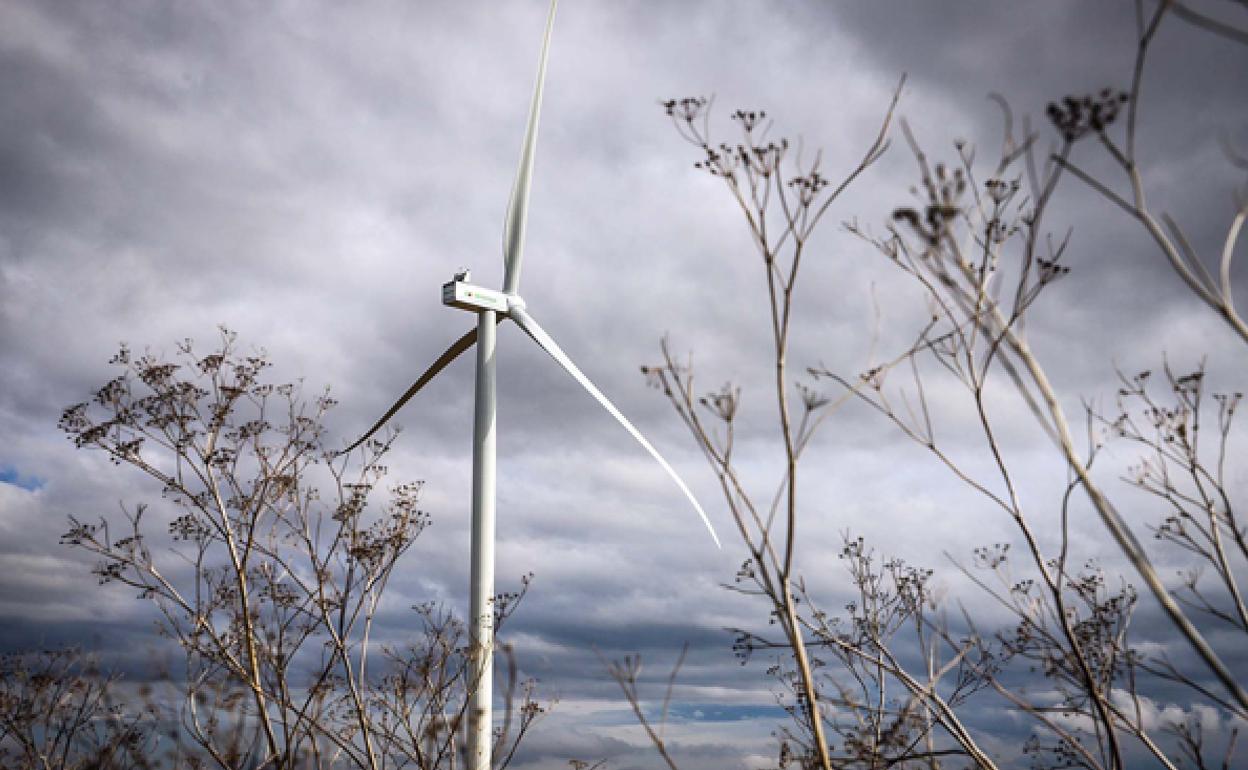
[{"x": 492, "y": 307}]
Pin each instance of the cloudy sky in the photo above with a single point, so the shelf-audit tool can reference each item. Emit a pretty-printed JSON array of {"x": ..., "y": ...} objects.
[{"x": 310, "y": 174}]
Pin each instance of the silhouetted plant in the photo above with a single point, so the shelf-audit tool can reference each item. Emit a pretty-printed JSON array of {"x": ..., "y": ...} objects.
[
  {"x": 976, "y": 245},
  {"x": 58, "y": 711},
  {"x": 782, "y": 207},
  {"x": 269, "y": 585}
]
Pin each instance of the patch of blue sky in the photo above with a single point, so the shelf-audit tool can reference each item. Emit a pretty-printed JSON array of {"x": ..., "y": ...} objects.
[
  {"x": 9, "y": 475},
  {"x": 720, "y": 712}
]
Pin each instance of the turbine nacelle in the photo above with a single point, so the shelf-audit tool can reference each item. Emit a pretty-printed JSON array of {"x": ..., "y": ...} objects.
[{"x": 466, "y": 296}]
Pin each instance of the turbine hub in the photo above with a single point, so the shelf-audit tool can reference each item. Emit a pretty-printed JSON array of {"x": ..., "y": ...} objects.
[{"x": 515, "y": 302}]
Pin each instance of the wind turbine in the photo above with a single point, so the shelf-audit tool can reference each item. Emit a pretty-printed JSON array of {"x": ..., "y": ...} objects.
[{"x": 492, "y": 307}]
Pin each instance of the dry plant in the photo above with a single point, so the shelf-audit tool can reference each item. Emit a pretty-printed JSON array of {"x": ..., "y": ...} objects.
[
  {"x": 627, "y": 674},
  {"x": 57, "y": 712},
  {"x": 981, "y": 255},
  {"x": 884, "y": 713},
  {"x": 1194, "y": 487},
  {"x": 1169, "y": 237},
  {"x": 979, "y": 251},
  {"x": 270, "y": 585}
]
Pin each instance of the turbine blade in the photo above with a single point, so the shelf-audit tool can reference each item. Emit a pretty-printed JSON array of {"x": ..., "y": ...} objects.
[
  {"x": 453, "y": 352},
  {"x": 539, "y": 335},
  {"x": 518, "y": 206}
]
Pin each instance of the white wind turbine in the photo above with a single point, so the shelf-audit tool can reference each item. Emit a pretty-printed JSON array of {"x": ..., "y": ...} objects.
[{"x": 492, "y": 307}]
